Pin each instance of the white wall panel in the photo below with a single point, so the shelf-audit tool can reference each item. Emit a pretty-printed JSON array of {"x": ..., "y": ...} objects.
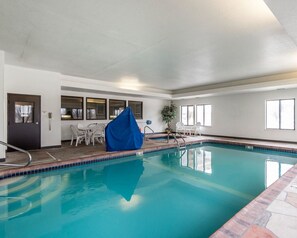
[
  {"x": 46, "y": 84},
  {"x": 243, "y": 115}
]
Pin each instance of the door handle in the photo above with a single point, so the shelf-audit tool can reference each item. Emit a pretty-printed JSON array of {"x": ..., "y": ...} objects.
[{"x": 37, "y": 123}]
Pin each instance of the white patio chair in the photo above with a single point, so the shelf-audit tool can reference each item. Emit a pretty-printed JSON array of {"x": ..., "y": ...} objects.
[
  {"x": 180, "y": 128},
  {"x": 98, "y": 133},
  {"x": 77, "y": 135},
  {"x": 197, "y": 129}
]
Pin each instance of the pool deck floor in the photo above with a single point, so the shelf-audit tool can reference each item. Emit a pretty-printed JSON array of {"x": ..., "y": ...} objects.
[{"x": 272, "y": 214}]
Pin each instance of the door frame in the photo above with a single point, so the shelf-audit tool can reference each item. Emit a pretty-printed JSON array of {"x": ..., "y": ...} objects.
[{"x": 37, "y": 117}]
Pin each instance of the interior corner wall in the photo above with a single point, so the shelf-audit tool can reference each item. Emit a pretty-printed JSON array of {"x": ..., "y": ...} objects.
[
  {"x": 46, "y": 84},
  {"x": 151, "y": 111},
  {"x": 2, "y": 105},
  {"x": 243, "y": 115}
]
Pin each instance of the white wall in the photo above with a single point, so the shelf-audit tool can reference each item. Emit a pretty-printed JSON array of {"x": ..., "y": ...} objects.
[
  {"x": 37, "y": 82},
  {"x": 243, "y": 115},
  {"x": 2, "y": 114},
  {"x": 151, "y": 111}
]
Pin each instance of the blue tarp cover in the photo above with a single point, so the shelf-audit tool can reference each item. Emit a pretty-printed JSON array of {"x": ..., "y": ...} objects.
[{"x": 123, "y": 133}]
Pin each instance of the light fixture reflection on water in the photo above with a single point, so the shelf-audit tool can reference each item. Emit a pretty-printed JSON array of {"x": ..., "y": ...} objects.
[{"x": 134, "y": 202}]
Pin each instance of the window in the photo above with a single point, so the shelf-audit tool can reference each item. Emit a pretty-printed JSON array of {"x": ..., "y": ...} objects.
[
  {"x": 24, "y": 112},
  {"x": 71, "y": 108},
  {"x": 187, "y": 115},
  {"x": 203, "y": 114},
  {"x": 96, "y": 109},
  {"x": 280, "y": 114},
  {"x": 136, "y": 108},
  {"x": 116, "y": 107}
]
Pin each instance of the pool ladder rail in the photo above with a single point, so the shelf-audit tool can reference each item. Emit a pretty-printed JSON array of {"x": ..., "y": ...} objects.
[
  {"x": 179, "y": 146},
  {"x": 18, "y": 149},
  {"x": 147, "y": 127}
]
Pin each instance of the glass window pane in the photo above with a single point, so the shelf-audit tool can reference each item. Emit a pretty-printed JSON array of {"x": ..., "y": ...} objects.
[
  {"x": 71, "y": 108},
  {"x": 24, "y": 112},
  {"x": 287, "y": 114},
  {"x": 272, "y": 116},
  {"x": 116, "y": 107},
  {"x": 200, "y": 114},
  {"x": 207, "y": 114},
  {"x": 96, "y": 109},
  {"x": 184, "y": 115},
  {"x": 190, "y": 115},
  {"x": 136, "y": 108}
]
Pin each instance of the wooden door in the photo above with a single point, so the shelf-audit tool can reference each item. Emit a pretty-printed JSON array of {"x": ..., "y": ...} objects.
[{"x": 24, "y": 121}]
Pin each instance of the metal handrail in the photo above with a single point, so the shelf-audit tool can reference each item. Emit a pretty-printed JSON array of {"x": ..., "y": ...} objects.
[
  {"x": 18, "y": 149},
  {"x": 174, "y": 136},
  {"x": 147, "y": 127}
]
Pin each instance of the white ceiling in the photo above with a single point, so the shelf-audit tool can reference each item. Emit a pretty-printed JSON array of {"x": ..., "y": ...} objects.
[{"x": 168, "y": 44}]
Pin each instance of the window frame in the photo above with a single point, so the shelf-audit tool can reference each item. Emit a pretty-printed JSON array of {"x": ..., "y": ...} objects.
[
  {"x": 203, "y": 105},
  {"x": 109, "y": 107},
  {"x": 280, "y": 114},
  {"x": 188, "y": 114},
  {"x": 141, "y": 103},
  {"x": 105, "y": 117},
  {"x": 82, "y": 108}
]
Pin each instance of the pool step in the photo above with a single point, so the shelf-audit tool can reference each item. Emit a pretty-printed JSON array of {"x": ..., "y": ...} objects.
[
  {"x": 18, "y": 186},
  {"x": 33, "y": 192}
]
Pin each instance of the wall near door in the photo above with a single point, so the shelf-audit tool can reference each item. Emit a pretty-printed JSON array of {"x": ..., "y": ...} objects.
[
  {"x": 2, "y": 121},
  {"x": 151, "y": 111},
  {"x": 38, "y": 82},
  {"x": 47, "y": 84},
  {"x": 243, "y": 115}
]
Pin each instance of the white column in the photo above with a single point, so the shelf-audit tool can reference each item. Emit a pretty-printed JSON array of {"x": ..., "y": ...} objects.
[{"x": 2, "y": 104}]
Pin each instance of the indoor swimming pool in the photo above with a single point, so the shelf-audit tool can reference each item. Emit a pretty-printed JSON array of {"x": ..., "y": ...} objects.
[{"x": 169, "y": 193}]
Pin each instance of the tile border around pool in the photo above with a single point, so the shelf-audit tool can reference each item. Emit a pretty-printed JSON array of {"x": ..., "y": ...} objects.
[
  {"x": 45, "y": 167},
  {"x": 237, "y": 226},
  {"x": 38, "y": 168}
]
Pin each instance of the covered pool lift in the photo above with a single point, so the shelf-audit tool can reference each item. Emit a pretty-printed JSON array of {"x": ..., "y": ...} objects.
[{"x": 123, "y": 133}]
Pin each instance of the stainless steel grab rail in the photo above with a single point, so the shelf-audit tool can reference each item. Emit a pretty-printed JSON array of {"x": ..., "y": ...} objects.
[
  {"x": 175, "y": 139},
  {"x": 147, "y": 127},
  {"x": 18, "y": 149}
]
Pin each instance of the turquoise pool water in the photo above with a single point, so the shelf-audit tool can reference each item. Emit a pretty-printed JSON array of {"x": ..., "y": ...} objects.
[{"x": 165, "y": 194}]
